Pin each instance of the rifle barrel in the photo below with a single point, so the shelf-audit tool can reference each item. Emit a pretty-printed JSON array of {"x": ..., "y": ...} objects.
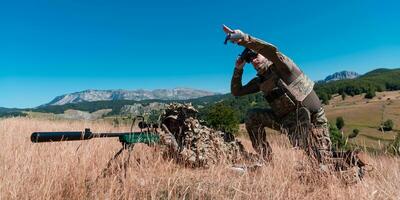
[
  {"x": 60, "y": 136},
  {"x": 37, "y": 137}
]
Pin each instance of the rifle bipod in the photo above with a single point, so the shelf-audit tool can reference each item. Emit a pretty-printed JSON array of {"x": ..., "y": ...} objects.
[{"x": 114, "y": 167}]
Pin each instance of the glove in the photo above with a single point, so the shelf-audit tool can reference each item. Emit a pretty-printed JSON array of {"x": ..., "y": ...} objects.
[{"x": 235, "y": 36}]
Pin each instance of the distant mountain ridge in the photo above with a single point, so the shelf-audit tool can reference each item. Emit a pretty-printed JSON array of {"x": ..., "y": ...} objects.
[
  {"x": 376, "y": 80},
  {"x": 137, "y": 95},
  {"x": 343, "y": 75}
]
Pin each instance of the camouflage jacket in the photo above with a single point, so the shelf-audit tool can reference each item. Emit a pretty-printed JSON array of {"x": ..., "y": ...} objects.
[{"x": 284, "y": 85}]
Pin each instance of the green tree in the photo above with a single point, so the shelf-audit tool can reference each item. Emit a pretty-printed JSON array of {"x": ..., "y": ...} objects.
[
  {"x": 324, "y": 98},
  {"x": 343, "y": 96},
  {"x": 370, "y": 93},
  {"x": 387, "y": 125},
  {"x": 222, "y": 117},
  {"x": 339, "y": 123}
]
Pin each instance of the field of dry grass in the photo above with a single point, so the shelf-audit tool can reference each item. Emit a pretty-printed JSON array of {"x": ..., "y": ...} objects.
[
  {"x": 366, "y": 115},
  {"x": 67, "y": 171}
]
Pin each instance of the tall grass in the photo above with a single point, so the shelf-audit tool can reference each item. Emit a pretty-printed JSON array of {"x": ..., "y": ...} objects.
[{"x": 68, "y": 170}]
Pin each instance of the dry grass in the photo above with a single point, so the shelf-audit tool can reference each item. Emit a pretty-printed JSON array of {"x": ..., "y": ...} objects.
[{"x": 67, "y": 170}]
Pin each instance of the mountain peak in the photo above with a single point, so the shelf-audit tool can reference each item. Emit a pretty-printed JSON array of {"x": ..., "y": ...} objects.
[{"x": 341, "y": 76}]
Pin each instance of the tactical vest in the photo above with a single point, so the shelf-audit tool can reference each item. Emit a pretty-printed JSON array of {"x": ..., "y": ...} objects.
[{"x": 284, "y": 98}]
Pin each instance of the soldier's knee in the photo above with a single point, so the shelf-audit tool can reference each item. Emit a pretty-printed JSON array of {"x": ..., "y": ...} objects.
[{"x": 251, "y": 117}]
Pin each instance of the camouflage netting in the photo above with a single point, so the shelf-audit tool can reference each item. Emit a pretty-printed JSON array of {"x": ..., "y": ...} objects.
[{"x": 196, "y": 145}]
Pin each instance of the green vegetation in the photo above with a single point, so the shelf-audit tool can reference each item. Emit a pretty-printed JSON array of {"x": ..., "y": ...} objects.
[
  {"x": 339, "y": 123},
  {"x": 370, "y": 93},
  {"x": 11, "y": 112},
  {"x": 354, "y": 133},
  {"x": 324, "y": 98},
  {"x": 376, "y": 80},
  {"x": 154, "y": 116},
  {"x": 343, "y": 96},
  {"x": 339, "y": 141},
  {"x": 387, "y": 125},
  {"x": 222, "y": 117}
]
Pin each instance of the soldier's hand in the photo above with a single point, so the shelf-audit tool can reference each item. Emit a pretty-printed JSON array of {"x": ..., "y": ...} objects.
[
  {"x": 239, "y": 64},
  {"x": 235, "y": 36}
]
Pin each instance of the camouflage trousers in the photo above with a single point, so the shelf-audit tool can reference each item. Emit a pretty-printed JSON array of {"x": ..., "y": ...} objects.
[{"x": 308, "y": 131}]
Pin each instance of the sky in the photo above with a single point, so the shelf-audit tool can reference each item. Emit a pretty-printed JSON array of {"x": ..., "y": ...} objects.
[{"x": 50, "y": 48}]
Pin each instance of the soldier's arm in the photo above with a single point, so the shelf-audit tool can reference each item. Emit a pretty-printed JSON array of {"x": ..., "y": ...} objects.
[
  {"x": 285, "y": 67},
  {"x": 237, "y": 89},
  {"x": 266, "y": 49}
]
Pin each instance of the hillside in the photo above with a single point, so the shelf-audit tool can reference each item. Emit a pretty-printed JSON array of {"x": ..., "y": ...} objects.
[
  {"x": 10, "y": 112},
  {"x": 367, "y": 115},
  {"x": 376, "y": 80}
]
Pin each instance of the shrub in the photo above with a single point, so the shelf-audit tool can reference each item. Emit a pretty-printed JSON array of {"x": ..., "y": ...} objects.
[
  {"x": 339, "y": 123},
  {"x": 153, "y": 116},
  {"x": 324, "y": 98},
  {"x": 354, "y": 133},
  {"x": 222, "y": 117},
  {"x": 337, "y": 138},
  {"x": 387, "y": 125},
  {"x": 343, "y": 96},
  {"x": 370, "y": 94}
]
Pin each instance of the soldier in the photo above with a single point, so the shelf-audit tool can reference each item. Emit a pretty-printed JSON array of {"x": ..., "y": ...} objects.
[
  {"x": 295, "y": 107},
  {"x": 196, "y": 145}
]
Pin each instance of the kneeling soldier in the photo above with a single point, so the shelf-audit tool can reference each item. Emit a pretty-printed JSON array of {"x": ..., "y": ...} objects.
[{"x": 295, "y": 107}]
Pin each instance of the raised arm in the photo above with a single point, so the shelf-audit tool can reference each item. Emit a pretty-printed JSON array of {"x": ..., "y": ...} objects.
[
  {"x": 284, "y": 66},
  {"x": 237, "y": 89}
]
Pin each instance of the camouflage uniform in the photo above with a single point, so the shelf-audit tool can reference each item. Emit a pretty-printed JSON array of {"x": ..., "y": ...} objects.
[
  {"x": 196, "y": 145},
  {"x": 295, "y": 108}
]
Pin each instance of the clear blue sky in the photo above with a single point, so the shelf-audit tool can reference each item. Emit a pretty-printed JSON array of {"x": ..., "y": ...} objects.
[{"x": 49, "y": 48}]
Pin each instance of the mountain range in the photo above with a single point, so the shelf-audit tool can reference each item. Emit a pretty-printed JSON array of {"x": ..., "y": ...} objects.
[
  {"x": 160, "y": 94},
  {"x": 137, "y": 95}
]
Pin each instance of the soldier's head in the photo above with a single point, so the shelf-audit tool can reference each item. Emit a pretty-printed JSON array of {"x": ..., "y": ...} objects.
[{"x": 259, "y": 62}]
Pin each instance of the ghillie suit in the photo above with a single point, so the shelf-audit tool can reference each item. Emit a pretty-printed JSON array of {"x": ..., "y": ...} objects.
[
  {"x": 351, "y": 166},
  {"x": 196, "y": 145}
]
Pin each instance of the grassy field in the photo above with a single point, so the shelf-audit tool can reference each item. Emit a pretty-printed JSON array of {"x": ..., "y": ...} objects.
[
  {"x": 67, "y": 171},
  {"x": 367, "y": 115}
]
